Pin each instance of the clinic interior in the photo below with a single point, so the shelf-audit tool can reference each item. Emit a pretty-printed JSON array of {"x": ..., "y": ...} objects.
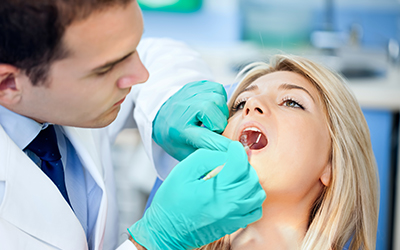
[{"x": 358, "y": 38}]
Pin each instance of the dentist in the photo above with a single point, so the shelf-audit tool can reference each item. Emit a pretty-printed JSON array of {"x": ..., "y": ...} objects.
[{"x": 70, "y": 77}]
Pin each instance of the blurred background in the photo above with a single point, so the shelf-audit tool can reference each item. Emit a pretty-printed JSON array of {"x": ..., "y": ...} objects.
[{"x": 359, "y": 38}]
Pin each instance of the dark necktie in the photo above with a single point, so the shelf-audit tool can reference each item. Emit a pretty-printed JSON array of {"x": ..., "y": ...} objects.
[{"x": 46, "y": 148}]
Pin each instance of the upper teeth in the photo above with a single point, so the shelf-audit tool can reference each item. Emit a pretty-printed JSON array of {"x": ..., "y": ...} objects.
[{"x": 252, "y": 129}]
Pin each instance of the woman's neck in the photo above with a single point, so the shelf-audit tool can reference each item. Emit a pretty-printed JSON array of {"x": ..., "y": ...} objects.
[{"x": 282, "y": 226}]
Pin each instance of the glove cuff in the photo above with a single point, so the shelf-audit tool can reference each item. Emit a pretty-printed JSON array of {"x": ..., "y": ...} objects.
[
  {"x": 141, "y": 236},
  {"x": 150, "y": 235}
]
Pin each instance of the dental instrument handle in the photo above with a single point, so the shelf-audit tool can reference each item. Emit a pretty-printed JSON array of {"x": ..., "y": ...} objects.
[{"x": 213, "y": 172}]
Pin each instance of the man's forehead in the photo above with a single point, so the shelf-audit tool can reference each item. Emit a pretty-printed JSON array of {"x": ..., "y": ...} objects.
[{"x": 105, "y": 35}]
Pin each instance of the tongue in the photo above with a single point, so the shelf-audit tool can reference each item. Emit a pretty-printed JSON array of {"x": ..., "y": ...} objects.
[{"x": 249, "y": 138}]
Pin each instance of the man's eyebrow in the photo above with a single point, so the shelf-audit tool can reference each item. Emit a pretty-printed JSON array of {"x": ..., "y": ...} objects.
[
  {"x": 112, "y": 63},
  {"x": 288, "y": 86}
]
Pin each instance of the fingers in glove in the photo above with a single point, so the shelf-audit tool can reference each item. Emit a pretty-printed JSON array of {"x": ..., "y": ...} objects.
[
  {"x": 213, "y": 117},
  {"x": 237, "y": 166},
  {"x": 204, "y": 86},
  {"x": 200, "y": 162},
  {"x": 200, "y": 137}
]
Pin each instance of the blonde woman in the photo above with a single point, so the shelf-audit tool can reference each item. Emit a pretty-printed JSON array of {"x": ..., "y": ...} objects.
[{"x": 310, "y": 145}]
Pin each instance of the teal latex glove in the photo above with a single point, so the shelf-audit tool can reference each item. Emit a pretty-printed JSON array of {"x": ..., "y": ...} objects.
[
  {"x": 188, "y": 212},
  {"x": 177, "y": 126}
]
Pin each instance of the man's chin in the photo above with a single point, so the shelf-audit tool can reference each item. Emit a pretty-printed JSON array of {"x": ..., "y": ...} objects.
[
  {"x": 99, "y": 122},
  {"x": 106, "y": 120}
]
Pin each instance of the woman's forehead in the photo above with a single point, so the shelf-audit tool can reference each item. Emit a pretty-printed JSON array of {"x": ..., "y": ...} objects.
[
  {"x": 281, "y": 77},
  {"x": 281, "y": 80}
]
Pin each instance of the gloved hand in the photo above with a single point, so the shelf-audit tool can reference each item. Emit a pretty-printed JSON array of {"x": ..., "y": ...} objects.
[
  {"x": 188, "y": 212},
  {"x": 177, "y": 126}
]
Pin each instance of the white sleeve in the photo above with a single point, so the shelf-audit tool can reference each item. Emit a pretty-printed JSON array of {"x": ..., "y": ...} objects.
[
  {"x": 127, "y": 245},
  {"x": 2, "y": 190},
  {"x": 171, "y": 65}
]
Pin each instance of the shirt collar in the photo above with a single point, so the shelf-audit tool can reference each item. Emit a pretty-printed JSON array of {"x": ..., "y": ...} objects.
[{"x": 22, "y": 130}]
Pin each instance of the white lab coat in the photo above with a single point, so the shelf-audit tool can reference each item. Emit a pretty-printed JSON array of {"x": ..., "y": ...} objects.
[{"x": 34, "y": 215}]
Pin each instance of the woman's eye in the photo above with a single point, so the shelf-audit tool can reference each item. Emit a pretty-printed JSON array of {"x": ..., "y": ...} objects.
[
  {"x": 292, "y": 104},
  {"x": 239, "y": 105}
]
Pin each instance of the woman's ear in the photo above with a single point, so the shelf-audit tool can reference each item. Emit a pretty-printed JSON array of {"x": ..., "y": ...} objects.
[
  {"x": 326, "y": 175},
  {"x": 10, "y": 91}
]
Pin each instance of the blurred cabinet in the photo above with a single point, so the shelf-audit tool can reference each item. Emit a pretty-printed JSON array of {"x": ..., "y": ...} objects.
[
  {"x": 396, "y": 232},
  {"x": 380, "y": 123}
]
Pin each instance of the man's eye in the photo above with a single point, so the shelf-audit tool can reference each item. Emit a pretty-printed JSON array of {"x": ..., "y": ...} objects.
[{"x": 104, "y": 71}]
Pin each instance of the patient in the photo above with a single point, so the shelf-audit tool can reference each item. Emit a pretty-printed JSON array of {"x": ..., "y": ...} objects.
[{"x": 311, "y": 148}]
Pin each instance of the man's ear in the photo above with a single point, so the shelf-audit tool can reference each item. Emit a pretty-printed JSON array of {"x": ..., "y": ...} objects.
[
  {"x": 10, "y": 91},
  {"x": 326, "y": 175}
]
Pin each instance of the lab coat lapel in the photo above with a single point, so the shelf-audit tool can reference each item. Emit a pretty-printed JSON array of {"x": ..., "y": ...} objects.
[
  {"x": 89, "y": 155},
  {"x": 33, "y": 203}
]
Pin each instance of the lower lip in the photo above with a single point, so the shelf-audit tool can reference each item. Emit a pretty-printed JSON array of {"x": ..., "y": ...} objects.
[
  {"x": 120, "y": 102},
  {"x": 249, "y": 152}
]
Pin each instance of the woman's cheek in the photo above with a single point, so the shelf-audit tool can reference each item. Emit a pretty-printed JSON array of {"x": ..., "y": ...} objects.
[{"x": 229, "y": 131}]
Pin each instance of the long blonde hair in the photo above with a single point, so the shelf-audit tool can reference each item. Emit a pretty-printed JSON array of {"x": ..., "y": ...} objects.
[{"x": 348, "y": 208}]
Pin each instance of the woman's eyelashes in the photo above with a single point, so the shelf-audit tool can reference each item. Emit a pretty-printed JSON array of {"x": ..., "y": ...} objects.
[
  {"x": 292, "y": 103},
  {"x": 239, "y": 105},
  {"x": 286, "y": 101}
]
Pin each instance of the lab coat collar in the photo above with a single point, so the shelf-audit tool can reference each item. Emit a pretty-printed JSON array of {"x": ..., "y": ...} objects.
[
  {"x": 88, "y": 151},
  {"x": 21, "y": 129},
  {"x": 27, "y": 206}
]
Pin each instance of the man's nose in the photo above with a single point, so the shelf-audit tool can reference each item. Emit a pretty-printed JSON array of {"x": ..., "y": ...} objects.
[{"x": 137, "y": 74}]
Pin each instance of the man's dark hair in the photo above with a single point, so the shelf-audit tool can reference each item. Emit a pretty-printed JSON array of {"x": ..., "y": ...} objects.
[{"x": 31, "y": 31}]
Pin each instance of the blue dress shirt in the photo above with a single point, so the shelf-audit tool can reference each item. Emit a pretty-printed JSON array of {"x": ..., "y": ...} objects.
[{"x": 84, "y": 193}]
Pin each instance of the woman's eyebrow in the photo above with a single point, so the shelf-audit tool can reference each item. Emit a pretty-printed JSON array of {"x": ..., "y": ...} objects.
[
  {"x": 249, "y": 88},
  {"x": 288, "y": 86}
]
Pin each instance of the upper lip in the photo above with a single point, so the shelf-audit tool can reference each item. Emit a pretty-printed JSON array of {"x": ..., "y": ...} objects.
[
  {"x": 120, "y": 100},
  {"x": 123, "y": 98}
]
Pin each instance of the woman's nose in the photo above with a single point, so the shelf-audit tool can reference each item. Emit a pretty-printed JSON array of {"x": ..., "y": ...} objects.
[
  {"x": 137, "y": 74},
  {"x": 254, "y": 107}
]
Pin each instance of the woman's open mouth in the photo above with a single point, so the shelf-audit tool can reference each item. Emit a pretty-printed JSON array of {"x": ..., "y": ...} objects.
[{"x": 254, "y": 138}]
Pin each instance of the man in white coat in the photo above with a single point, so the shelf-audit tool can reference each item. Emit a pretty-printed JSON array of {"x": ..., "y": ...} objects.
[{"x": 72, "y": 67}]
